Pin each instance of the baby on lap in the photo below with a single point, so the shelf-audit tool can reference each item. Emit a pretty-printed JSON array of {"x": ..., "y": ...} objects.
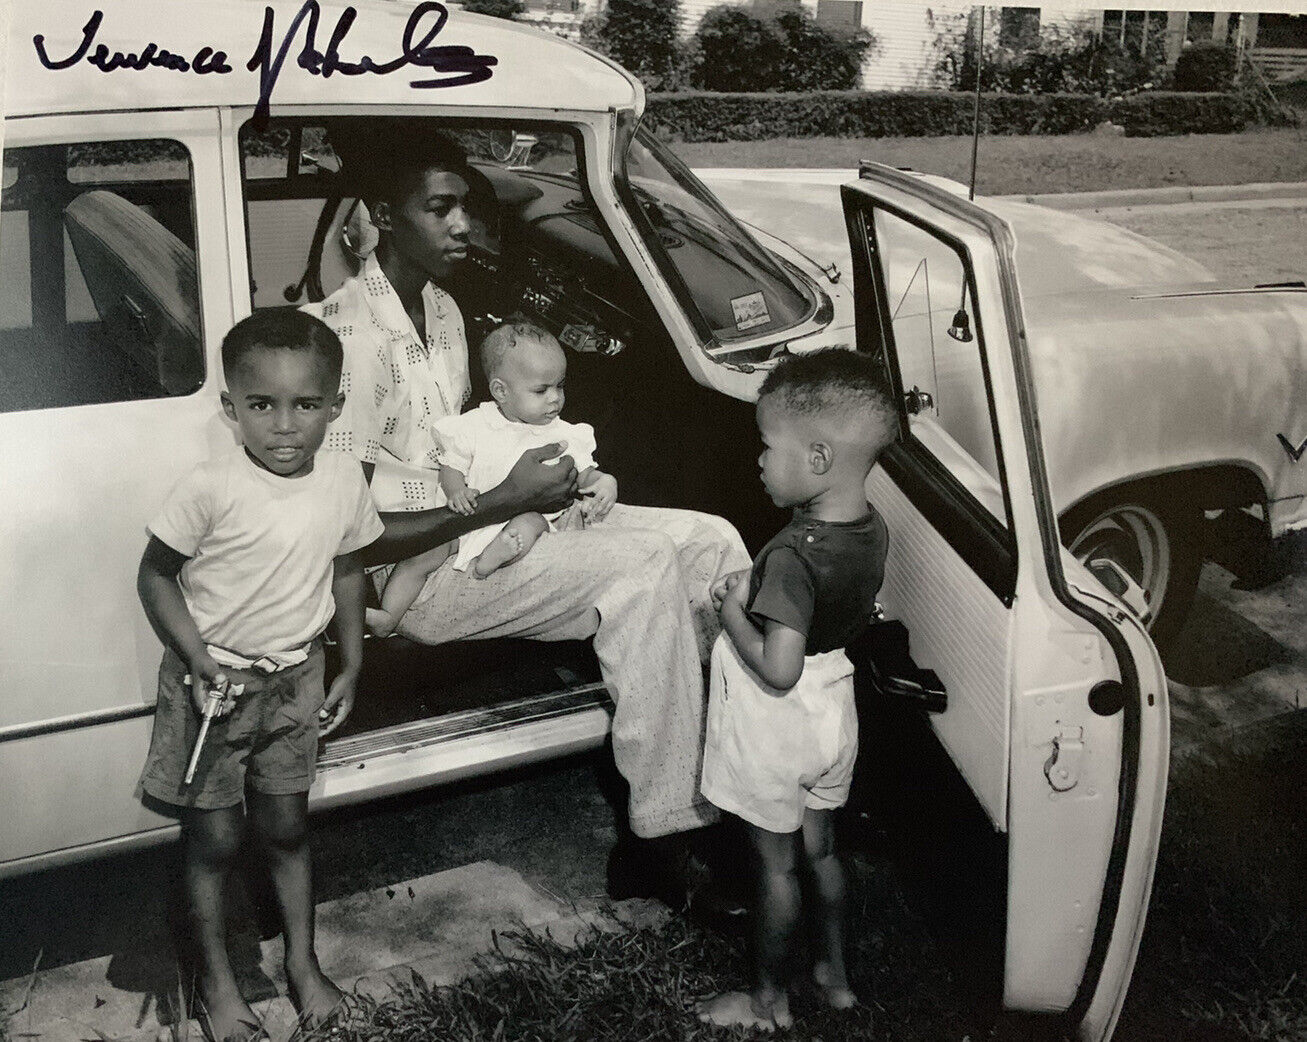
[{"x": 526, "y": 368}]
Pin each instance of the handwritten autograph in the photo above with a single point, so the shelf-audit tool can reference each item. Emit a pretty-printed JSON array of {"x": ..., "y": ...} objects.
[{"x": 456, "y": 64}]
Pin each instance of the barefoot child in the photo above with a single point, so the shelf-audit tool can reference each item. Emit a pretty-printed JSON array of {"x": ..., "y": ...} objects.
[
  {"x": 526, "y": 368},
  {"x": 782, "y": 730},
  {"x": 249, "y": 559}
]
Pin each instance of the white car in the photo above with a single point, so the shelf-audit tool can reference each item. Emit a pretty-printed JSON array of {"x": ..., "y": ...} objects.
[{"x": 148, "y": 205}]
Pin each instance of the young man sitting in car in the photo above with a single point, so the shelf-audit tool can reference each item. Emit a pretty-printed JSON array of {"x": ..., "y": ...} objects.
[{"x": 638, "y": 584}]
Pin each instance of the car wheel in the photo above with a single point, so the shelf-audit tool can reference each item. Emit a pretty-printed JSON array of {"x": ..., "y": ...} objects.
[{"x": 1144, "y": 551}]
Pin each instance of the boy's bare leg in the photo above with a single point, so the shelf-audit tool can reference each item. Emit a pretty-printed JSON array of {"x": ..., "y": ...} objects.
[
  {"x": 281, "y": 823},
  {"x": 513, "y": 540},
  {"x": 402, "y": 588},
  {"x": 211, "y": 843},
  {"x": 776, "y": 916},
  {"x": 826, "y": 908}
]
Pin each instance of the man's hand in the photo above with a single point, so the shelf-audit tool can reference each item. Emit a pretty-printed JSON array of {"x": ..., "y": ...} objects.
[
  {"x": 534, "y": 484},
  {"x": 726, "y": 584},
  {"x": 338, "y": 704},
  {"x": 599, "y": 497},
  {"x": 464, "y": 502},
  {"x": 205, "y": 675}
]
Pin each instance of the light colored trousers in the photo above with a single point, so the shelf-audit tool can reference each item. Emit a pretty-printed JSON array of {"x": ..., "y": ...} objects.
[{"x": 637, "y": 582}]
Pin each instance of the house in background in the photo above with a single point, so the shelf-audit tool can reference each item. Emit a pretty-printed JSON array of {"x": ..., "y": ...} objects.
[{"x": 914, "y": 36}]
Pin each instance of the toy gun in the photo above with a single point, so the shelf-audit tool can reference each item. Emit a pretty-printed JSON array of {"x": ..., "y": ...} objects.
[{"x": 213, "y": 701}]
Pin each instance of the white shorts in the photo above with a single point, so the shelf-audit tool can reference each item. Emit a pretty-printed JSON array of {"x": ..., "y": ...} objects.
[{"x": 770, "y": 754}]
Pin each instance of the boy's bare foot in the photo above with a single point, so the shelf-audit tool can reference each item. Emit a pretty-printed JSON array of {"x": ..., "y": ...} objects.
[
  {"x": 832, "y": 988},
  {"x": 314, "y": 996},
  {"x": 379, "y": 623},
  {"x": 224, "y": 1016},
  {"x": 505, "y": 548},
  {"x": 741, "y": 1009}
]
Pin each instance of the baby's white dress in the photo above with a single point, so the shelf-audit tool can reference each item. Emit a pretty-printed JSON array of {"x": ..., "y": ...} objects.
[{"x": 483, "y": 445}]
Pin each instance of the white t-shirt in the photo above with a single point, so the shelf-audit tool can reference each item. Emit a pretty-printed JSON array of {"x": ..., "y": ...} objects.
[
  {"x": 261, "y": 549},
  {"x": 484, "y": 444}
]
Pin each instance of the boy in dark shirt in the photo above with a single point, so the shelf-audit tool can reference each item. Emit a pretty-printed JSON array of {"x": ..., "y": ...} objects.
[{"x": 782, "y": 729}]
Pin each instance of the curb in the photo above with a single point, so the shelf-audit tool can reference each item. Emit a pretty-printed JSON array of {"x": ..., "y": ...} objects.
[{"x": 1176, "y": 194}]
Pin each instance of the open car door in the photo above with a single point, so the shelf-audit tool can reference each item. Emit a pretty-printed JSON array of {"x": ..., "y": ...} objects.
[{"x": 1057, "y": 705}]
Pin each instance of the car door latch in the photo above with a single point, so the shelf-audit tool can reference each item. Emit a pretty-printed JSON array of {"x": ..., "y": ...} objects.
[{"x": 1062, "y": 768}]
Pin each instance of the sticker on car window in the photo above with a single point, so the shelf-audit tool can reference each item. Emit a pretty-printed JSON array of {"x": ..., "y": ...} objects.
[{"x": 750, "y": 310}]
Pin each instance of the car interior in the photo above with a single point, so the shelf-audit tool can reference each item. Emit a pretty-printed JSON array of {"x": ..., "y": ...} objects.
[{"x": 539, "y": 249}]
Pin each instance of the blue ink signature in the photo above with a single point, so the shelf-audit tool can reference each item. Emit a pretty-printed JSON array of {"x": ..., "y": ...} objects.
[{"x": 456, "y": 65}]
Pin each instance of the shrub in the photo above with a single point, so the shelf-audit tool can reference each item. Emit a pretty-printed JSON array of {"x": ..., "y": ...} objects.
[
  {"x": 704, "y": 116},
  {"x": 509, "y": 9},
  {"x": 642, "y": 37},
  {"x": 707, "y": 116},
  {"x": 1058, "y": 61},
  {"x": 739, "y": 50},
  {"x": 1205, "y": 67}
]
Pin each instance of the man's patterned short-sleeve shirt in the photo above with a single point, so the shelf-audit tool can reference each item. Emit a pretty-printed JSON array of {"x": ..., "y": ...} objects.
[{"x": 396, "y": 383}]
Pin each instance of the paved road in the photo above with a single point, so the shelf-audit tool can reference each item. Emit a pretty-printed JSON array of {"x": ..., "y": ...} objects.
[{"x": 1243, "y": 242}]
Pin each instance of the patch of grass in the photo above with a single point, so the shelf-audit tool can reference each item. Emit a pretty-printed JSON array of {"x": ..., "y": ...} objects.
[
  {"x": 1224, "y": 956},
  {"x": 1010, "y": 165},
  {"x": 622, "y": 983},
  {"x": 1225, "y": 951}
]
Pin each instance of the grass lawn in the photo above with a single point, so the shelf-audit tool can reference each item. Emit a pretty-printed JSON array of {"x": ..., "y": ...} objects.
[
  {"x": 1023, "y": 165},
  {"x": 1222, "y": 959}
]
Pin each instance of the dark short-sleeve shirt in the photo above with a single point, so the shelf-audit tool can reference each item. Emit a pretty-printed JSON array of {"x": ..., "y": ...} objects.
[{"x": 821, "y": 578}]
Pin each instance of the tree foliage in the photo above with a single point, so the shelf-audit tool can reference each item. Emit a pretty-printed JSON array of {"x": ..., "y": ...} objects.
[
  {"x": 642, "y": 37},
  {"x": 740, "y": 50},
  {"x": 509, "y": 9}
]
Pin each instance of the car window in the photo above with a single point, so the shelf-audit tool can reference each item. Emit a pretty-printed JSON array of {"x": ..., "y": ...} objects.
[
  {"x": 99, "y": 297},
  {"x": 733, "y": 288},
  {"x": 936, "y": 343},
  {"x": 308, "y": 232}
]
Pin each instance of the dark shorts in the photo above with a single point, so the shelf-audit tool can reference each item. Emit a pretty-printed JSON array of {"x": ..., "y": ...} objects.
[{"x": 268, "y": 742}]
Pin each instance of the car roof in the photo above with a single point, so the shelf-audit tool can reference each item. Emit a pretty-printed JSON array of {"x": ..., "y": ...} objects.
[{"x": 531, "y": 68}]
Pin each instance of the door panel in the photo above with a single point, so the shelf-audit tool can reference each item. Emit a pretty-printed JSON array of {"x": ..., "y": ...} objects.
[
  {"x": 88, "y": 467},
  {"x": 959, "y": 629},
  {"x": 976, "y": 573}
]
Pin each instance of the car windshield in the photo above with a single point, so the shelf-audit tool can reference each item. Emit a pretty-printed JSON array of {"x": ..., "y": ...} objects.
[{"x": 735, "y": 289}]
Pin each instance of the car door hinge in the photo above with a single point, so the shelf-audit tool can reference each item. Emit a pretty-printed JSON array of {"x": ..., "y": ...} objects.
[{"x": 1062, "y": 768}]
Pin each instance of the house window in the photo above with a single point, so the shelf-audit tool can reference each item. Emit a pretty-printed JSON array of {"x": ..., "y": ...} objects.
[
  {"x": 1018, "y": 27},
  {"x": 1200, "y": 26},
  {"x": 841, "y": 15},
  {"x": 1135, "y": 31},
  {"x": 1282, "y": 30}
]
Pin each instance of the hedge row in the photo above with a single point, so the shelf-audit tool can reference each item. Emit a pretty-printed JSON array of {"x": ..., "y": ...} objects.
[{"x": 705, "y": 116}]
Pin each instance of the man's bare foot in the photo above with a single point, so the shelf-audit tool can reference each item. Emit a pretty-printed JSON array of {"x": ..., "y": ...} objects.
[
  {"x": 504, "y": 549},
  {"x": 314, "y": 996},
  {"x": 832, "y": 987},
  {"x": 379, "y": 623},
  {"x": 741, "y": 1009},
  {"x": 224, "y": 1016}
]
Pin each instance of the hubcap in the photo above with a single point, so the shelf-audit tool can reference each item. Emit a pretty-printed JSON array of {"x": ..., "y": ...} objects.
[{"x": 1131, "y": 539}]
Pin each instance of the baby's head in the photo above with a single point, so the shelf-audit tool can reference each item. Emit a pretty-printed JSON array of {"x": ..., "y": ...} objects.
[
  {"x": 526, "y": 368},
  {"x": 282, "y": 369},
  {"x": 825, "y": 418}
]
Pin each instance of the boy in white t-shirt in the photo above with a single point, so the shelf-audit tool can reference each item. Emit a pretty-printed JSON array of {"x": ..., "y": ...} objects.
[
  {"x": 526, "y": 368},
  {"x": 249, "y": 559}
]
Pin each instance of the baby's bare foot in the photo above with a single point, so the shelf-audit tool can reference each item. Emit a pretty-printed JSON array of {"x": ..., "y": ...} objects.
[
  {"x": 741, "y": 1009},
  {"x": 378, "y": 622},
  {"x": 503, "y": 549},
  {"x": 315, "y": 997}
]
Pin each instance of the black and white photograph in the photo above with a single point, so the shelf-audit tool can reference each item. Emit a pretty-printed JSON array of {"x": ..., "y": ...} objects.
[{"x": 906, "y": 398}]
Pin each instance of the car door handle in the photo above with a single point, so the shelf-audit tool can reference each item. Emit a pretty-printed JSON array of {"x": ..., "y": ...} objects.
[{"x": 884, "y": 652}]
